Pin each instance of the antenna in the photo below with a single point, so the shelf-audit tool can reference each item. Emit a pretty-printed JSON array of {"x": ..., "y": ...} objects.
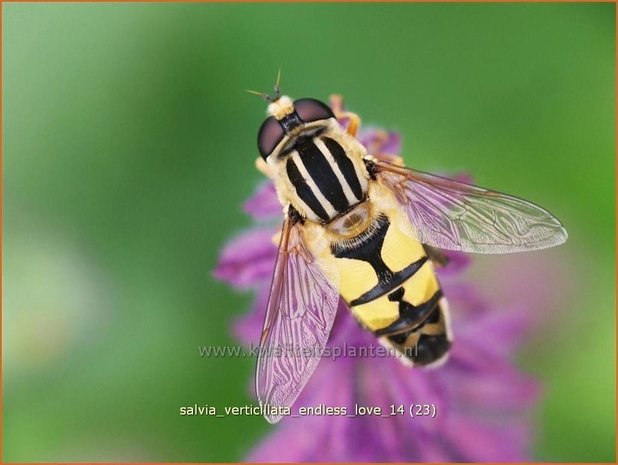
[
  {"x": 264, "y": 95},
  {"x": 276, "y": 88}
]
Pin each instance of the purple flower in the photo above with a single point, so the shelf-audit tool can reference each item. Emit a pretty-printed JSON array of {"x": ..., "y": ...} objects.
[{"x": 481, "y": 401}]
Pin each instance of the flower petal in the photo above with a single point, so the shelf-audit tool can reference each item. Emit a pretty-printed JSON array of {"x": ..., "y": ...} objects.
[
  {"x": 248, "y": 260},
  {"x": 457, "y": 262},
  {"x": 379, "y": 141},
  {"x": 248, "y": 327},
  {"x": 263, "y": 204}
]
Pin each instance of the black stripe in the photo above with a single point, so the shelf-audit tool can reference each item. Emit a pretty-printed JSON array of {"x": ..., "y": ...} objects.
[
  {"x": 410, "y": 316},
  {"x": 304, "y": 191},
  {"x": 345, "y": 165},
  {"x": 368, "y": 248},
  {"x": 322, "y": 174}
]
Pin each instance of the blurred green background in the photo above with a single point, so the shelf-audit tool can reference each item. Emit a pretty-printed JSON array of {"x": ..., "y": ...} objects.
[{"x": 128, "y": 149}]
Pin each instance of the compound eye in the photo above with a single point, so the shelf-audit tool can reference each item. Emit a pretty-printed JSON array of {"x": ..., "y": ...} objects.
[
  {"x": 310, "y": 110},
  {"x": 269, "y": 136}
]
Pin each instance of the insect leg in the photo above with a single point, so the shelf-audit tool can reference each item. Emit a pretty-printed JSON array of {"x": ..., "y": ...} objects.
[
  {"x": 354, "y": 123},
  {"x": 436, "y": 255},
  {"x": 263, "y": 167},
  {"x": 336, "y": 104}
]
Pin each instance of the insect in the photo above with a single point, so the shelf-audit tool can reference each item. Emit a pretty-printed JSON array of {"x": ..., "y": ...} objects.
[{"x": 367, "y": 231}]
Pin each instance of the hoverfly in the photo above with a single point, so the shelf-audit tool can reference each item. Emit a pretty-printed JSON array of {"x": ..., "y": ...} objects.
[{"x": 367, "y": 231}]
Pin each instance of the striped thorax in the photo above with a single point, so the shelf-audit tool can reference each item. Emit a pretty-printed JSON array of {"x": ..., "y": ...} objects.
[{"x": 317, "y": 166}]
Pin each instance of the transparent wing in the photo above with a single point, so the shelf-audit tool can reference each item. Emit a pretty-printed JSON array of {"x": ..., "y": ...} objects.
[
  {"x": 299, "y": 316},
  {"x": 457, "y": 216}
]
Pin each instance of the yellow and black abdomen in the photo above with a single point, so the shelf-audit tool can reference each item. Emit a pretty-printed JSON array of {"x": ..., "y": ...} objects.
[{"x": 390, "y": 285}]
